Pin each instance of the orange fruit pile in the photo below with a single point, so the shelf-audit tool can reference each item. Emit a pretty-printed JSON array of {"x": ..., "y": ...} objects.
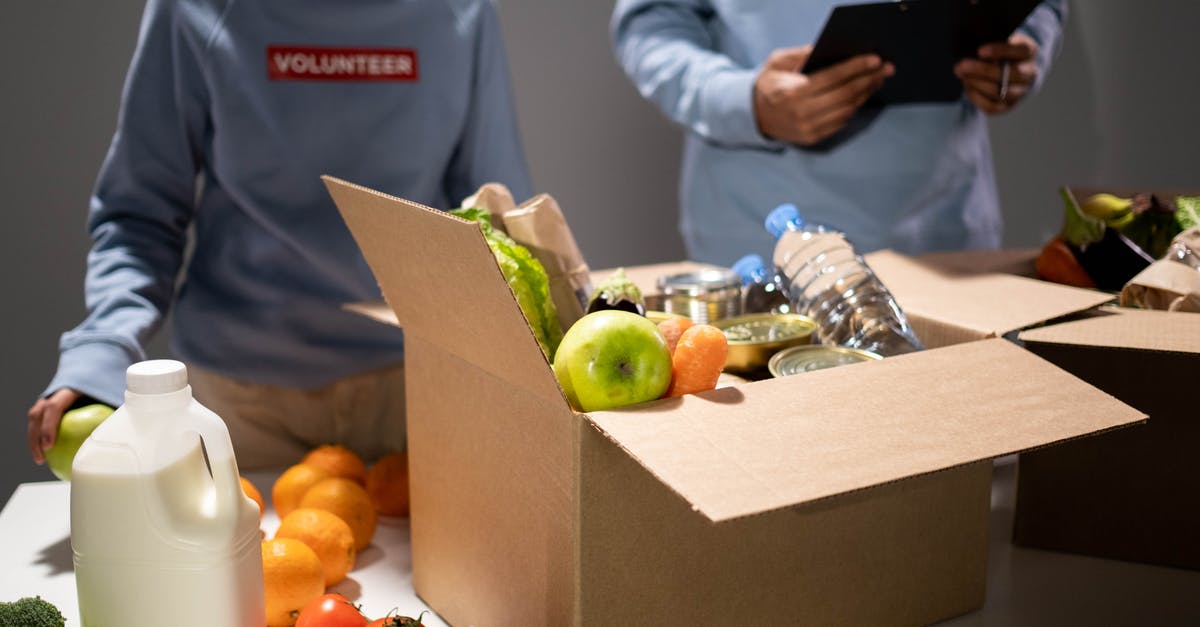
[
  {"x": 387, "y": 484},
  {"x": 327, "y": 535},
  {"x": 338, "y": 461},
  {"x": 292, "y": 577},
  {"x": 290, "y": 487},
  {"x": 329, "y": 505},
  {"x": 349, "y": 501}
]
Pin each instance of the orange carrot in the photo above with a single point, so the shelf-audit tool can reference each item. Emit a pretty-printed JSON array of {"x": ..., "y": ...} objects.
[
  {"x": 697, "y": 360},
  {"x": 672, "y": 328}
]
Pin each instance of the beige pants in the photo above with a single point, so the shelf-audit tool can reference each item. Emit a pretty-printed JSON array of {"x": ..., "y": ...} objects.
[{"x": 273, "y": 427}]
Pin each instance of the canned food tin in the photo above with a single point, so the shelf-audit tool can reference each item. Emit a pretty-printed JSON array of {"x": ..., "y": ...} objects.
[
  {"x": 754, "y": 338},
  {"x": 798, "y": 359},
  {"x": 659, "y": 316},
  {"x": 704, "y": 296}
]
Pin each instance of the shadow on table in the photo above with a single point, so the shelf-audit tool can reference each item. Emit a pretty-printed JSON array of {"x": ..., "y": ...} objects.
[
  {"x": 57, "y": 557},
  {"x": 348, "y": 587},
  {"x": 368, "y": 556}
]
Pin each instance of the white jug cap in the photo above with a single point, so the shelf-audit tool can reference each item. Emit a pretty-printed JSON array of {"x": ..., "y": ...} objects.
[{"x": 156, "y": 376}]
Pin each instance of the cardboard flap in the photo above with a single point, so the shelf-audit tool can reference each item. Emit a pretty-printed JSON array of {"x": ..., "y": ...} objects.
[
  {"x": 994, "y": 301},
  {"x": 744, "y": 450},
  {"x": 1132, "y": 329},
  {"x": 440, "y": 277}
]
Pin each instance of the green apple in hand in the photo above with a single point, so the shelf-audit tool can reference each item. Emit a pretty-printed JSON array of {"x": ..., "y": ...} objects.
[
  {"x": 76, "y": 425},
  {"x": 612, "y": 358}
]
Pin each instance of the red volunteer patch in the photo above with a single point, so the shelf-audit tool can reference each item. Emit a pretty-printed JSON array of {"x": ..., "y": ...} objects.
[{"x": 308, "y": 63}]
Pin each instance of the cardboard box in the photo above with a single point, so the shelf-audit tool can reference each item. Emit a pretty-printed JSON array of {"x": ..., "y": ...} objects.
[
  {"x": 1126, "y": 495},
  {"x": 1132, "y": 495},
  {"x": 855, "y": 495},
  {"x": 959, "y": 297}
]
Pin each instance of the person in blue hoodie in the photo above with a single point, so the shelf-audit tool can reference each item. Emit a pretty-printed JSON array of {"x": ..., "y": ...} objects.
[
  {"x": 759, "y": 133},
  {"x": 209, "y": 205}
]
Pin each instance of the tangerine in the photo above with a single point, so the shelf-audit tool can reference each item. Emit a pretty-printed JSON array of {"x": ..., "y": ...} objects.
[
  {"x": 350, "y": 502},
  {"x": 387, "y": 483},
  {"x": 292, "y": 577},
  {"x": 290, "y": 487},
  {"x": 327, "y": 535},
  {"x": 338, "y": 461}
]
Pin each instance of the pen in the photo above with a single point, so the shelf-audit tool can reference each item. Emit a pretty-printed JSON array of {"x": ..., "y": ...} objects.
[{"x": 1004, "y": 71}]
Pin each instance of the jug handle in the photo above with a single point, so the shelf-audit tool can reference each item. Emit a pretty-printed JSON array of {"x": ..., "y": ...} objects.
[{"x": 223, "y": 464}]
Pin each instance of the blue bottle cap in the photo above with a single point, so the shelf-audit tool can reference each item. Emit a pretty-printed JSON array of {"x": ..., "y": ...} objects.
[
  {"x": 785, "y": 217},
  {"x": 750, "y": 267}
]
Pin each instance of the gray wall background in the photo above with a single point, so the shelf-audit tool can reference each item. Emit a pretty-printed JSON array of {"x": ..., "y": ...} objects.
[{"x": 1119, "y": 109}]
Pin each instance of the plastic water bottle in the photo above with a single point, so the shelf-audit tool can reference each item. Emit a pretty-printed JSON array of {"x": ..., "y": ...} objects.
[
  {"x": 831, "y": 283},
  {"x": 762, "y": 291},
  {"x": 161, "y": 530}
]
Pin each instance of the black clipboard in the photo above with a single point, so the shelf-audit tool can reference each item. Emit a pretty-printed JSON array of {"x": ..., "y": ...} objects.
[{"x": 922, "y": 38}]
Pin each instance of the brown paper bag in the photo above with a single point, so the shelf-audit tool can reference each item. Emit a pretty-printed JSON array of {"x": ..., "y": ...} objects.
[
  {"x": 1171, "y": 283},
  {"x": 539, "y": 225},
  {"x": 495, "y": 199}
]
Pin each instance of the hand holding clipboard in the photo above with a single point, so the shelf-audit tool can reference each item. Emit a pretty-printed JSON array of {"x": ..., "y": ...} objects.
[
  {"x": 807, "y": 109},
  {"x": 927, "y": 40},
  {"x": 1002, "y": 75}
]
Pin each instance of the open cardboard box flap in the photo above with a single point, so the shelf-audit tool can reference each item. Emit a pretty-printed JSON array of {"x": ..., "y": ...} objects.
[
  {"x": 742, "y": 450},
  {"x": 441, "y": 279},
  {"x": 940, "y": 296},
  {"x": 1136, "y": 329},
  {"x": 749, "y": 449},
  {"x": 1127, "y": 495}
]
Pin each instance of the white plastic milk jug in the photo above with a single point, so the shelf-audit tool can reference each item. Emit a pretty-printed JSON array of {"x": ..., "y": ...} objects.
[{"x": 161, "y": 537}]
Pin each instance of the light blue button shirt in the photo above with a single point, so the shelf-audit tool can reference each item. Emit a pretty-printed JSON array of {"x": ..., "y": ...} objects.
[{"x": 914, "y": 178}]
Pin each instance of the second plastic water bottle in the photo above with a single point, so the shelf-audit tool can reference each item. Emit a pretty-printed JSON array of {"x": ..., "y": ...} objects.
[
  {"x": 831, "y": 283},
  {"x": 762, "y": 292}
]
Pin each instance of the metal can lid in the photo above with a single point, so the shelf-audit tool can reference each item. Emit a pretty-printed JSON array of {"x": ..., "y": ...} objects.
[
  {"x": 699, "y": 282},
  {"x": 657, "y": 316},
  {"x": 766, "y": 328},
  {"x": 798, "y": 359}
]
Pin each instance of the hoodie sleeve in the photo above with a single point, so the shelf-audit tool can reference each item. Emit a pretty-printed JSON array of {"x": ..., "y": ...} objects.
[
  {"x": 666, "y": 49},
  {"x": 1045, "y": 26},
  {"x": 139, "y": 212},
  {"x": 489, "y": 149}
]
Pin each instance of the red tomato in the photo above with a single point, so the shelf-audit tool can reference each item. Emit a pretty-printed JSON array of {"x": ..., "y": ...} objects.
[{"x": 331, "y": 610}]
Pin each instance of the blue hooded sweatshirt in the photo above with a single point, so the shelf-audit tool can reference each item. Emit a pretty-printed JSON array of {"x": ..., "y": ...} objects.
[{"x": 231, "y": 112}]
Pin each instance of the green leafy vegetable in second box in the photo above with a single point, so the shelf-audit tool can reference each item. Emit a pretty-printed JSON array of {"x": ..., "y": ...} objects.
[
  {"x": 1153, "y": 225},
  {"x": 526, "y": 277},
  {"x": 1187, "y": 212}
]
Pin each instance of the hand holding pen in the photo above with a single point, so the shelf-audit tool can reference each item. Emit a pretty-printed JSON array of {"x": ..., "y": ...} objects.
[{"x": 1002, "y": 75}]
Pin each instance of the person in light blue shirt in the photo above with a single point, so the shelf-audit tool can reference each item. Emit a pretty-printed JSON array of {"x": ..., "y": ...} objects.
[
  {"x": 759, "y": 133},
  {"x": 231, "y": 112}
]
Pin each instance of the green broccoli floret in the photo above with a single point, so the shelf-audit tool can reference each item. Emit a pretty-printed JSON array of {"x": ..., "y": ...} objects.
[{"x": 30, "y": 612}]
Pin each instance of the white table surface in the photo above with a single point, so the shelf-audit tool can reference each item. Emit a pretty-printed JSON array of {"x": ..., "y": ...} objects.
[
  {"x": 35, "y": 554},
  {"x": 1025, "y": 587}
]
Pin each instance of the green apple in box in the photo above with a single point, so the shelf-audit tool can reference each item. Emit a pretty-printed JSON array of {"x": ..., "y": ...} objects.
[{"x": 612, "y": 358}]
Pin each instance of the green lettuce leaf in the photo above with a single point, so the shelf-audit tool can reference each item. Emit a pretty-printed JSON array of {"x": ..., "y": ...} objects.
[{"x": 526, "y": 278}]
